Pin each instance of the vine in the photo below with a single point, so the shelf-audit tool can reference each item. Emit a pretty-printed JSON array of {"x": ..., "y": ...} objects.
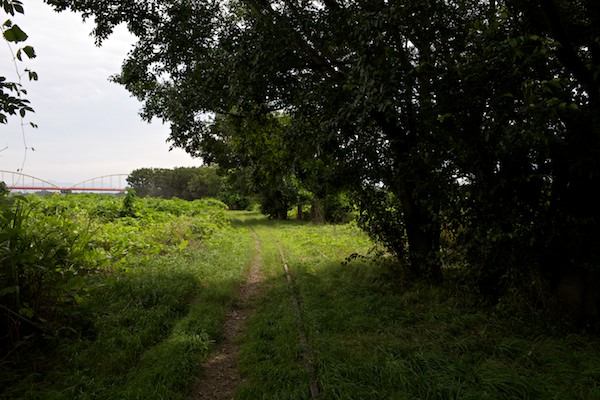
[{"x": 12, "y": 101}]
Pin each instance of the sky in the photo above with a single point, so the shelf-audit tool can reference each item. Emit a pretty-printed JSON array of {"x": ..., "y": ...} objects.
[{"x": 87, "y": 125}]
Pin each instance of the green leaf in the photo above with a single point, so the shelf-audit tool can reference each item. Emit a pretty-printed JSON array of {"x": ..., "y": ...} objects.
[
  {"x": 10, "y": 289},
  {"x": 29, "y": 51},
  {"x": 8, "y": 7},
  {"x": 7, "y": 23},
  {"x": 15, "y": 34},
  {"x": 443, "y": 117},
  {"x": 26, "y": 312},
  {"x": 75, "y": 283}
]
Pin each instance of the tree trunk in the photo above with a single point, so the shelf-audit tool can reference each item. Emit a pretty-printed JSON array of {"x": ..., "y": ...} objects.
[
  {"x": 317, "y": 211},
  {"x": 422, "y": 227},
  {"x": 423, "y": 235}
]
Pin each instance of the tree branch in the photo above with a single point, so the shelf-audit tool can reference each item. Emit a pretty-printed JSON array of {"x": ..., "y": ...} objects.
[
  {"x": 261, "y": 8},
  {"x": 566, "y": 53}
]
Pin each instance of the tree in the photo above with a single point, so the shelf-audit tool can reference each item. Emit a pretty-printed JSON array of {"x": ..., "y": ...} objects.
[
  {"x": 327, "y": 64},
  {"x": 253, "y": 148},
  {"x": 472, "y": 115},
  {"x": 187, "y": 183},
  {"x": 205, "y": 183},
  {"x": 356, "y": 73},
  {"x": 146, "y": 181},
  {"x": 267, "y": 152},
  {"x": 568, "y": 99}
]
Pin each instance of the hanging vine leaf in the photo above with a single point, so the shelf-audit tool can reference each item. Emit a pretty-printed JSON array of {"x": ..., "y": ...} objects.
[
  {"x": 13, "y": 103},
  {"x": 15, "y": 34},
  {"x": 29, "y": 51}
]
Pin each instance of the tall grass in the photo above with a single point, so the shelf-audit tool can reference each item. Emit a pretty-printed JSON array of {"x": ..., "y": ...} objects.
[
  {"x": 371, "y": 334},
  {"x": 144, "y": 330},
  {"x": 150, "y": 328},
  {"x": 374, "y": 335}
]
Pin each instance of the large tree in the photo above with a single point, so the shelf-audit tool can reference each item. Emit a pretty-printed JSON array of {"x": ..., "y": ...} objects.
[
  {"x": 572, "y": 235},
  {"x": 359, "y": 80},
  {"x": 476, "y": 115},
  {"x": 269, "y": 154},
  {"x": 186, "y": 183},
  {"x": 253, "y": 147},
  {"x": 525, "y": 136}
]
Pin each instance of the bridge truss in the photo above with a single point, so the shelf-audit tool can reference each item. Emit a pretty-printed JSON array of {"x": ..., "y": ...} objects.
[{"x": 22, "y": 182}]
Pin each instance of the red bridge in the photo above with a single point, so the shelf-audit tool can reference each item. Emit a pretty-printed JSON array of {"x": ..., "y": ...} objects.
[{"x": 108, "y": 183}]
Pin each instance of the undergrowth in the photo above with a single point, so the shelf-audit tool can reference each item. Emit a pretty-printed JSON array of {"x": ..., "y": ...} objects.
[
  {"x": 52, "y": 247},
  {"x": 153, "y": 292},
  {"x": 372, "y": 334},
  {"x": 375, "y": 335}
]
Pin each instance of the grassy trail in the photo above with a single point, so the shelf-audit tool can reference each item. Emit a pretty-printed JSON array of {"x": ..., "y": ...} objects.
[
  {"x": 219, "y": 377},
  {"x": 278, "y": 359},
  {"x": 148, "y": 328},
  {"x": 370, "y": 335},
  {"x": 349, "y": 328}
]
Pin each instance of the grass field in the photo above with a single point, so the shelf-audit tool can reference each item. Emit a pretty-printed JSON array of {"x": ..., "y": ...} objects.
[
  {"x": 369, "y": 334},
  {"x": 374, "y": 336}
]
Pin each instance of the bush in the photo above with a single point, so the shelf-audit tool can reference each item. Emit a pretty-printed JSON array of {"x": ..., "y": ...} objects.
[
  {"x": 337, "y": 209},
  {"x": 236, "y": 201},
  {"x": 49, "y": 245},
  {"x": 40, "y": 261}
]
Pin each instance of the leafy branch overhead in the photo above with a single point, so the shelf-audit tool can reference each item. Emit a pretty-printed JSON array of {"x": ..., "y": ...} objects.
[
  {"x": 11, "y": 93},
  {"x": 474, "y": 118}
]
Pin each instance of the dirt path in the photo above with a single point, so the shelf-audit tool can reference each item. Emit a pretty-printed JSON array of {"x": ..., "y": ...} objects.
[{"x": 219, "y": 373}]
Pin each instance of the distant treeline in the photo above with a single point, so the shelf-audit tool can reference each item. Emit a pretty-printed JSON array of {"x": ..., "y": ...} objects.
[
  {"x": 188, "y": 183},
  {"x": 241, "y": 188}
]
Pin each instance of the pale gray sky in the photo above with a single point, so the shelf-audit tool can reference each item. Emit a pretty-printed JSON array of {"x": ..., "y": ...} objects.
[{"x": 88, "y": 126}]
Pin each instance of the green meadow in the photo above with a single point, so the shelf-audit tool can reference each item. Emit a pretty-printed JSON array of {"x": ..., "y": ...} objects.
[{"x": 142, "y": 304}]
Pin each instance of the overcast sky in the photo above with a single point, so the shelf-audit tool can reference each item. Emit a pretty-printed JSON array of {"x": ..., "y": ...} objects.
[{"x": 88, "y": 126}]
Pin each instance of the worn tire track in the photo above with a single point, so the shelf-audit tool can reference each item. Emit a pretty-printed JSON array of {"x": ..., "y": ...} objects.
[{"x": 302, "y": 336}]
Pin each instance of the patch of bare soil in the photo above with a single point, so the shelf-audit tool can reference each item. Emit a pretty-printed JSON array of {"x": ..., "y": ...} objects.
[{"x": 219, "y": 375}]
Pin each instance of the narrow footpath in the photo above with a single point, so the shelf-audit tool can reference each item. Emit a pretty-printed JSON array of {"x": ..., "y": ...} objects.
[{"x": 219, "y": 376}]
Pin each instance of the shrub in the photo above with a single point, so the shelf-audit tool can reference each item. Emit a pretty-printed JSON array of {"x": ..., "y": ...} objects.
[
  {"x": 49, "y": 245},
  {"x": 40, "y": 261}
]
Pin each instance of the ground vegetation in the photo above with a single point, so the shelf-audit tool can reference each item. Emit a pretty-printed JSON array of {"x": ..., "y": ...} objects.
[
  {"x": 152, "y": 321},
  {"x": 54, "y": 248}
]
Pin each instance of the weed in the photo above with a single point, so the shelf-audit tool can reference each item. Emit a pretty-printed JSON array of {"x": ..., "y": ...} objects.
[
  {"x": 142, "y": 306},
  {"x": 377, "y": 338},
  {"x": 154, "y": 316}
]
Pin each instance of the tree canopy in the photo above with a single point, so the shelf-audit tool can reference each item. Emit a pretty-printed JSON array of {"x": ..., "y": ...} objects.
[
  {"x": 476, "y": 118},
  {"x": 187, "y": 183}
]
